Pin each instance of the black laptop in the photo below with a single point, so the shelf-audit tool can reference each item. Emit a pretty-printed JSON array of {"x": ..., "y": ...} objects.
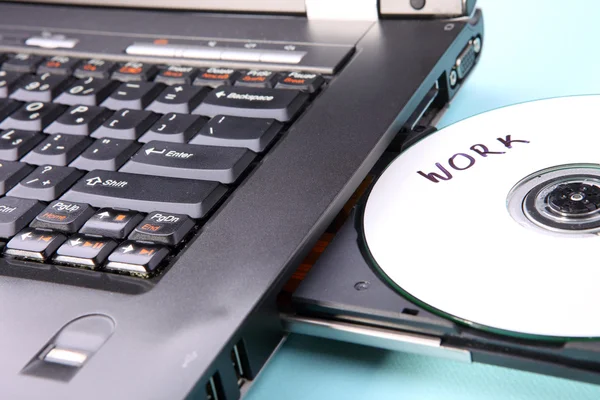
[{"x": 165, "y": 167}]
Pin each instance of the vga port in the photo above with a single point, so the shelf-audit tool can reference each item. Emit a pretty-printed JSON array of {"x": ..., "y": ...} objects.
[{"x": 466, "y": 58}]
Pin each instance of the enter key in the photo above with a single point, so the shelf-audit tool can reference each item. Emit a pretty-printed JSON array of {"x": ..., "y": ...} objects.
[{"x": 179, "y": 160}]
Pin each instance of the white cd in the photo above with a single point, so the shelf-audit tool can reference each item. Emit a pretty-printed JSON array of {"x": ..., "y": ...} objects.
[{"x": 493, "y": 221}]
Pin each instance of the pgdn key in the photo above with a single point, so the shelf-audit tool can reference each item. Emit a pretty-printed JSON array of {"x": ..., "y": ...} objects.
[{"x": 146, "y": 193}]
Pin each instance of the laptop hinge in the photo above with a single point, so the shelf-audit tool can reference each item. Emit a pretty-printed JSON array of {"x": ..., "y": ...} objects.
[
  {"x": 427, "y": 8},
  {"x": 372, "y": 9},
  {"x": 342, "y": 9}
]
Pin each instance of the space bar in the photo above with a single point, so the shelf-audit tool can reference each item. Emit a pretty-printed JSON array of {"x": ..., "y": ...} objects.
[{"x": 146, "y": 193}]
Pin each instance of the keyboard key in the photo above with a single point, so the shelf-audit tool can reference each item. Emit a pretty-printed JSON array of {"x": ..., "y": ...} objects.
[
  {"x": 209, "y": 163},
  {"x": 11, "y": 172},
  {"x": 215, "y": 77},
  {"x": 26, "y": 63},
  {"x": 133, "y": 95},
  {"x": 88, "y": 91},
  {"x": 16, "y": 213},
  {"x": 7, "y": 107},
  {"x": 257, "y": 78},
  {"x": 64, "y": 216},
  {"x": 46, "y": 183},
  {"x": 252, "y": 133},
  {"x": 126, "y": 124},
  {"x": 176, "y": 75},
  {"x": 79, "y": 120},
  {"x": 57, "y": 149},
  {"x": 84, "y": 251},
  {"x": 282, "y": 105},
  {"x": 139, "y": 259},
  {"x": 179, "y": 99},
  {"x": 178, "y": 128},
  {"x": 94, "y": 68},
  {"x": 33, "y": 116},
  {"x": 58, "y": 65},
  {"x": 134, "y": 71},
  {"x": 306, "y": 81},
  {"x": 34, "y": 244},
  {"x": 14, "y": 144},
  {"x": 40, "y": 87},
  {"x": 146, "y": 193},
  {"x": 165, "y": 228},
  {"x": 112, "y": 223},
  {"x": 107, "y": 154},
  {"x": 8, "y": 81}
]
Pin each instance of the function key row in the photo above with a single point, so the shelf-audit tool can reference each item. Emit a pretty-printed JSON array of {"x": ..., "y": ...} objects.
[{"x": 170, "y": 75}]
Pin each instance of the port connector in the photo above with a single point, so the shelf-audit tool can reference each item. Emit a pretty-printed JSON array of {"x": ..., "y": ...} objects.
[
  {"x": 214, "y": 390},
  {"x": 239, "y": 361},
  {"x": 466, "y": 59}
]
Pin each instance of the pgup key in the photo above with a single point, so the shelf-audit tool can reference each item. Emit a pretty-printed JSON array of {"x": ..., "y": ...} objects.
[{"x": 65, "y": 216}]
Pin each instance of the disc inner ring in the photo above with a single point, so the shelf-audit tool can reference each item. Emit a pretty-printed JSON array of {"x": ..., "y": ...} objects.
[{"x": 560, "y": 200}]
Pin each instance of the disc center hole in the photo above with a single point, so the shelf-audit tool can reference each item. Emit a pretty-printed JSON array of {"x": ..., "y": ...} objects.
[{"x": 577, "y": 196}]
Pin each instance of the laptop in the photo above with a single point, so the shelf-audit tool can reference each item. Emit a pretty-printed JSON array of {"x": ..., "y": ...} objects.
[{"x": 165, "y": 167}]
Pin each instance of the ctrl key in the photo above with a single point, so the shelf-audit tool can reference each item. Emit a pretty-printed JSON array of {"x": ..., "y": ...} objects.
[
  {"x": 15, "y": 214},
  {"x": 139, "y": 259},
  {"x": 34, "y": 244}
]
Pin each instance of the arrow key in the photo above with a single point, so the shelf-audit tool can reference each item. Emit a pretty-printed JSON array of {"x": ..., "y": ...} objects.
[
  {"x": 62, "y": 215},
  {"x": 112, "y": 223},
  {"x": 46, "y": 183},
  {"x": 34, "y": 244},
  {"x": 138, "y": 259},
  {"x": 84, "y": 251}
]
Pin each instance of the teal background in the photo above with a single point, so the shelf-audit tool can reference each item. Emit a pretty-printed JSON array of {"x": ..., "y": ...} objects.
[{"x": 532, "y": 50}]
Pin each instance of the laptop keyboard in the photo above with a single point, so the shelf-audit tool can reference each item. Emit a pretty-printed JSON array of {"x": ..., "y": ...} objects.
[{"x": 113, "y": 167}]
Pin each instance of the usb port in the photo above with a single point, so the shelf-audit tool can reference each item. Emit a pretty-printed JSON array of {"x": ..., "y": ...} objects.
[
  {"x": 214, "y": 391},
  {"x": 238, "y": 359}
]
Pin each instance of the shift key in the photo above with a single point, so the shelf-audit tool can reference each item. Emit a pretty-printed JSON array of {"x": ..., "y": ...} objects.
[
  {"x": 146, "y": 193},
  {"x": 236, "y": 101}
]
